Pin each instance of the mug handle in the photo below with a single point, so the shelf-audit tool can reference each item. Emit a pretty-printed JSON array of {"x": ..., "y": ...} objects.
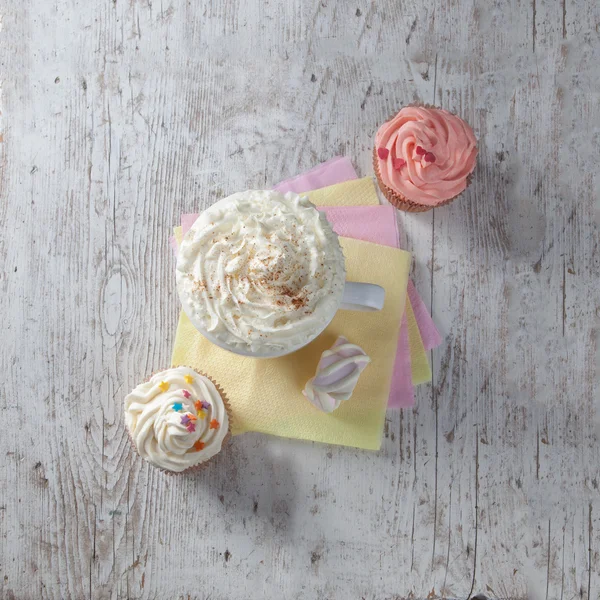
[{"x": 362, "y": 296}]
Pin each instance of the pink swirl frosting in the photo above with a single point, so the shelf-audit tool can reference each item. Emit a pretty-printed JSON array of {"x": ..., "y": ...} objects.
[{"x": 430, "y": 154}]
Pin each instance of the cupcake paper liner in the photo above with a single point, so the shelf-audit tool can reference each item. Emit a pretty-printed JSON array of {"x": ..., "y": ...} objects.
[
  {"x": 400, "y": 201},
  {"x": 226, "y": 439}
]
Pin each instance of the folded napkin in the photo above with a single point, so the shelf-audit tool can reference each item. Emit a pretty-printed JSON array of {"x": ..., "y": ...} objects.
[
  {"x": 266, "y": 394},
  {"x": 335, "y": 170}
]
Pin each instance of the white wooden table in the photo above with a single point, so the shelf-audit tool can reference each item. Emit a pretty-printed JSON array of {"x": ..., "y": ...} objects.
[{"x": 119, "y": 115}]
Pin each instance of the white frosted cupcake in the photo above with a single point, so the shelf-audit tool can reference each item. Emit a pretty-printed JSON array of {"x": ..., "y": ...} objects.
[{"x": 177, "y": 420}]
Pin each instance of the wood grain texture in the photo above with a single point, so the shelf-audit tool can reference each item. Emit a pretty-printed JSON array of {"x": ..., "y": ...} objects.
[{"x": 119, "y": 115}]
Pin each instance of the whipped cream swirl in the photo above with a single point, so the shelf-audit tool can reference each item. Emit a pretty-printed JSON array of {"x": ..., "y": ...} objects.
[
  {"x": 177, "y": 419},
  {"x": 261, "y": 272}
]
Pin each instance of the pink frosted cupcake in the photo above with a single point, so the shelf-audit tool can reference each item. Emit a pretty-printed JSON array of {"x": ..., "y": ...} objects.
[{"x": 423, "y": 158}]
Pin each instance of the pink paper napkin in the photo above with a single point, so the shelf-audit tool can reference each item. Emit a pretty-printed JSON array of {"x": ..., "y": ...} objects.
[
  {"x": 429, "y": 334},
  {"x": 335, "y": 170}
]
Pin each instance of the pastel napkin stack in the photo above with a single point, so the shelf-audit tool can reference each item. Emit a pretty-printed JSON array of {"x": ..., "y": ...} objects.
[{"x": 266, "y": 394}]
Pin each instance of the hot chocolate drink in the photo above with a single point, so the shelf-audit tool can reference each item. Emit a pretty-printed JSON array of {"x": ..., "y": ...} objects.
[{"x": 261, "y": 272}]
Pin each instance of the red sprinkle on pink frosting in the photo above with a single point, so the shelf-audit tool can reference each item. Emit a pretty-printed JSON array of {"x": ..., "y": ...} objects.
[
  {"x": 383, "y": 153},
  {"x": 440, "y": 151},
  {"x": 398, "y": 163}
]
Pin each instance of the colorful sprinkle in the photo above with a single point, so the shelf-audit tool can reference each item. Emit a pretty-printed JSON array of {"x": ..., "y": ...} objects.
[
  {"x": 199, "y": 445},
  {"x": 201, "y": 414},
  {"x": 420, "y": 151},
  {"x": 430, "y": 157},
  {"x": 188, "y": 379},
  {"x": 214, "y": 424},
  {"x": 398, "y": 163},
  {"x": 201, "y": 404},
  {"x": 185, "y": 393},
  {"x": 177, "y": 406},
  {"x": 191, "y": 428},
  {"x": 164, "y": 385},
  {"x": 185, "y": 420},
  {"x": 192, "y": 417},
  {"x": 383, "y": 153}
]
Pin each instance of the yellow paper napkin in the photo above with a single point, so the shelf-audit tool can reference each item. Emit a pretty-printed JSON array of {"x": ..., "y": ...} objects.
[
  {"x": 266, "y": 394},
  {"x": 356, "y": 192}
]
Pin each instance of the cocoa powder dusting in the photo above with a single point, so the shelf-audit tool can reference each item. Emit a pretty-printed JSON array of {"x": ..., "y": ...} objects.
[
  {"x": 198, "y": 286},
  {"x": 296, "y": 298}
]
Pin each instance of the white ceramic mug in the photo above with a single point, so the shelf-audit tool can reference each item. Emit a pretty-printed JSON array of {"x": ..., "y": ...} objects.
[{"x": 353, "y": 296}]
